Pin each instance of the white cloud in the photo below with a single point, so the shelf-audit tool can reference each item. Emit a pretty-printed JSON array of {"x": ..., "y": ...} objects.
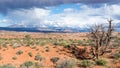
[
  {"x": 86, "y": 16},
  {"x": 3, "y": 21},
  {"x": 68, "y": 10},
  {"x": 38, "y": 17},
  {"x": 29, "y": 18}
]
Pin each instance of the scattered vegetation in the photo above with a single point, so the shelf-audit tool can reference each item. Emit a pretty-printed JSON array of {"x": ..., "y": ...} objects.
[
  {"x": 101, "y": 62},
  {"x": 14, "y": 58},
  {"x": 54, "y": 59},
  {"x": 116, "y": 56},
  {"x": 87, "y": 63},
  {"x": 30, "y": 54},
  {"x": 4, "y": 44},
  {"x": 38, "y": 65},
  {"x": 28, "y": 40},
  {"x": 1, "y": 57},
  {"x": 37, "y": 57},
  {"x": 19, "y": 52},
  {"x": 15, "y": 45},
  {"x": 27, "y": 64},
  {"x": 66, "y": 64},
  {"x": 7, "y": 66},
  {"x": 47, "y": 49}
]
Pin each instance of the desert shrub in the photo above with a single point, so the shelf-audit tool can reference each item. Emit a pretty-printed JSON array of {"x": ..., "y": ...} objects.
[
  {"x": 114, "y": 61},
  {"x": 110, "y": 66},
  {"x": 27, "y": 64},
  {"x": 4, "y": 45},
  {"x": 14, "y": 58},
  {"x": 28, "y": 43},
  {"x": 101, "y": 62},
  {"x": 27, "y": 40},
  {"x": 37, "y": 49},
  {"x": 87, "y": 63},
  {"x": 19, "y": 52},
  {"x": 42, "y": 43},
  {"x": 116, "y": 55},
  {"x": 27, "y": 37},
  {"x": 1, "y": 57},
  {"x": 55, "y": 43},
  {"x": 47, "y": 49},
  {"x": 15, "y": 45},
  {"x": 39, "y": 57},
  {"x": 38, "y": 65},
  {"x": 66, "y": 64},
  {"x": 63, "y": 42},
  {"x": 54, "y": 59},
  {"x": 34, "y": 47},
  {"x": 42, "y": 58},
  {"x": 7, "y": 66},
  {"x": 30, "y": 54}
]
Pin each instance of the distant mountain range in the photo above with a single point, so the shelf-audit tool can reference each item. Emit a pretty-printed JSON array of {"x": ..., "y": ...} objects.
[
  {"x": 45, "y": 30},
  {"x": 21, "y": 28}
]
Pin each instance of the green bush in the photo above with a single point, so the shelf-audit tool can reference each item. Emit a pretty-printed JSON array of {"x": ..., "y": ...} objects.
[
  {"x": 27, "y": 37},
  {"x": 19, "y": 52},
  {"x": 101, "y": 62},
  {"x": 87, "y": 63},
  {"x": 27, "y": 64},
  {"x": 14, "y": 58},
  {"x": 63, "y": 42},
  {"x": 4, "y": 45},
  {"x": 37, "y": 57},
  {"x": 30, "y": 54},
  {"x": 47, "y": 48},
  {"x": 38, "y": 65},
  {"x": 66, "y": 64},
  {"x": 54, "y": 59},
  {"x": 1, "y": 57},
  {"x": 117, "y": 56},
  {"x": 42, "y": 43},
  {"x": 15, "y": 45},
  {"x": 7, "y": 66}
]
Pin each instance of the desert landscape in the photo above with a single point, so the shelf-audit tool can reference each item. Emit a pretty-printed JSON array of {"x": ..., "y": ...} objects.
[
  {"x": 59, "y": 33},
  {"x": 51, "y": 50}
]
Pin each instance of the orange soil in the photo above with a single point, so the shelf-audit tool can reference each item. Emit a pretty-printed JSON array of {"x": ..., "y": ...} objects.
[{"x": 9, "y": 52}]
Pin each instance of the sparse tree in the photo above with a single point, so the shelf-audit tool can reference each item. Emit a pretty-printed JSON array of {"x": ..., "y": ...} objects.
[{"x": 101, "y": 38}]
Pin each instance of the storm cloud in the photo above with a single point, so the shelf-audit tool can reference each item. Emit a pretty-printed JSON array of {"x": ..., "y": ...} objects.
[{"x": 6, "y": 5}]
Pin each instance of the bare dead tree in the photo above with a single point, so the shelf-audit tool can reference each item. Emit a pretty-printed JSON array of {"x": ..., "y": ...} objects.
[{"x": 101, "y": 38}]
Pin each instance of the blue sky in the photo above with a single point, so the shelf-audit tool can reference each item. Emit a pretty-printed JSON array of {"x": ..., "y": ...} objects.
[
  {"x": 60, "y": 8},
  {"x": 57, "y": 13}
]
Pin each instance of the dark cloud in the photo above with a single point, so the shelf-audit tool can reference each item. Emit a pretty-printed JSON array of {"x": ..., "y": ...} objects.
[
  {"x": 6, "y": 5},
  {"x": 100, "y": 1}
]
